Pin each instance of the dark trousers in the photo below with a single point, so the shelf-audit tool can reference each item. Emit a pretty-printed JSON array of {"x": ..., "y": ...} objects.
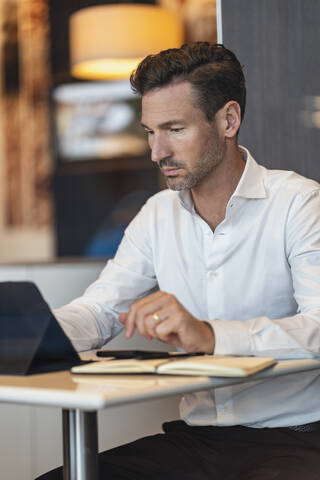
[{"x": 213, "y": 453}]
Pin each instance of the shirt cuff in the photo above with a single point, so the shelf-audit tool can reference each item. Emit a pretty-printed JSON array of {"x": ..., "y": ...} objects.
[{"x": 231, "y": 337}]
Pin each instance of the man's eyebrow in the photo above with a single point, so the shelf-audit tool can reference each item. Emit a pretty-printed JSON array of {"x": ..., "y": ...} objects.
[{"x": 165, "y": 124}]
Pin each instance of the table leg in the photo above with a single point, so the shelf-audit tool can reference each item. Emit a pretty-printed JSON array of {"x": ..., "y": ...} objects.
[{"x": 80, "y": 445}]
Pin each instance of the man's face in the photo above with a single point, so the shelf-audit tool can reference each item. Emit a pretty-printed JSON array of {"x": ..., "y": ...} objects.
[{"x": 186, "y": 147}]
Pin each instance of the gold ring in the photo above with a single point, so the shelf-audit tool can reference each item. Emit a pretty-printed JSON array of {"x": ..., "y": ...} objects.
[{"x": 156, "y": 317}]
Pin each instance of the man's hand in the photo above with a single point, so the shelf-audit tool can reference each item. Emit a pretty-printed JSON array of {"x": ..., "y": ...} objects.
[{"x": 161, "y": 316}]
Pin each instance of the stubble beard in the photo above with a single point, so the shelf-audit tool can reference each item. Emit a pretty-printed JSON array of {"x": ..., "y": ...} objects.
[{"x": 206, "y": 164}]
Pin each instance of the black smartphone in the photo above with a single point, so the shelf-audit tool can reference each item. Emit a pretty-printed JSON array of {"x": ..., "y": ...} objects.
[{"x": 143, "y": 354}]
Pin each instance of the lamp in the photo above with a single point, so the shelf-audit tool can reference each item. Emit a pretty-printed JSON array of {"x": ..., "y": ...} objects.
[{"x": 108, "y": 41}]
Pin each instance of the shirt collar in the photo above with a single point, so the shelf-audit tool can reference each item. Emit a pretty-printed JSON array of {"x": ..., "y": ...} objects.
[
  {"x": 251, "y": 183},
  {"x": 186, "y": 200}
]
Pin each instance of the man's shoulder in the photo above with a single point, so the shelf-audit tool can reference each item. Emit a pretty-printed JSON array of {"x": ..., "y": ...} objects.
[
  {"x": 155, "y": 214},
  {"x": 164, "y": 194},
  {"x": 164, "y": 197},
  {"x": 289, "y": 182},
  {"x": 161, "y": 205}
]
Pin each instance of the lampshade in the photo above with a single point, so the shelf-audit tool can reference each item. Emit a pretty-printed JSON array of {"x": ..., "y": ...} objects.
[{"x": 108, "y": 41}]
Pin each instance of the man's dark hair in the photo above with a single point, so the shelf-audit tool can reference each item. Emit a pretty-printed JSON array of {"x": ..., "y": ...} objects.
[{"x": 214, "y": 72}]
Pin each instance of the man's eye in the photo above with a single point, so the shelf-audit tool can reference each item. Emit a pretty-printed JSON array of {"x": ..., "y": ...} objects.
[
  {"x": 176, "y": 130},
  {"x": 149, "y": 132}
]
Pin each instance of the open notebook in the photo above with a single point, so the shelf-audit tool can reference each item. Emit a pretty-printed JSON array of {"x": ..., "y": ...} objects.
[{"x": 208, "y": 365}]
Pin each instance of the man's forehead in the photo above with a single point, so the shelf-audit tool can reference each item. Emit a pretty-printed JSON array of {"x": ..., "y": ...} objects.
[
  {"x": 168, "y": 92},
  {"x": 167, "y": 103}
]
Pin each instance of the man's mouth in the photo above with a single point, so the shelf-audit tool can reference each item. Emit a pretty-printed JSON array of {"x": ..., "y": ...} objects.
[{"x": 171, "y": 171}]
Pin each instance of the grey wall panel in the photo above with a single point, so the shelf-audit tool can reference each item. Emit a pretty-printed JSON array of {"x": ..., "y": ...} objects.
[{"x": 278, "y": 42}]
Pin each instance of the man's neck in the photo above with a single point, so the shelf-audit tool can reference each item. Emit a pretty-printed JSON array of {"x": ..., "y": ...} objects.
[{"x": 211, "y": 196}]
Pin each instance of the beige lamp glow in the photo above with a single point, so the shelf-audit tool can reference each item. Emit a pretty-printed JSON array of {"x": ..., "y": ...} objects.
[{"x": 108, "y": 41}]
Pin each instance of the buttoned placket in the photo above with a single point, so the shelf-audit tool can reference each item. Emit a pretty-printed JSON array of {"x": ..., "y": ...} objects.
[{"x": 215, "y": 247}]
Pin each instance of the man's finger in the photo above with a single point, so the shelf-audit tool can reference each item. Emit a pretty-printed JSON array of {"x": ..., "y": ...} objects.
[
  {"x": 167, "y": 328},
  {"x": 144, "y": 308},
  {"x": 152, "y": 321},
  {"x": 123, "y": 318},
  {"x": 129, "y": 329}
]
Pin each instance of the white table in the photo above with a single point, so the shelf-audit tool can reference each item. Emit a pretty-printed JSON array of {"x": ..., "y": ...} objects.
[{"x": 80, "y": 397}]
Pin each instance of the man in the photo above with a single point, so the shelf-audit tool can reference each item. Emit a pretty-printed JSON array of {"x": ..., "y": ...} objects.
[{"x": 226, "y": 261}]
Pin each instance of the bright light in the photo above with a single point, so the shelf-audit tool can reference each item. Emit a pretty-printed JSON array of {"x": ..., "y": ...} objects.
[{"x": 105, "y": 69}]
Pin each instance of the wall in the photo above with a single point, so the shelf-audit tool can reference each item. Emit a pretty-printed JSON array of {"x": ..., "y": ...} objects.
[
  {"x": 276, "y": 42},
  {"x": 30, "y": 437}
]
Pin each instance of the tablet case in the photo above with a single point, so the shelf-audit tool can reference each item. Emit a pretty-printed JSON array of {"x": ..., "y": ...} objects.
[{"x": 31, "y": 339}]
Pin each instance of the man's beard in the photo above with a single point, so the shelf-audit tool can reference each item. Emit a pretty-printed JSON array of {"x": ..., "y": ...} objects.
[{"x": 208, "y": 161}]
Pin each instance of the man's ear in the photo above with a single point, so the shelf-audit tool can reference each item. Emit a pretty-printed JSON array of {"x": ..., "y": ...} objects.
[{"x": 232, "y": 114}]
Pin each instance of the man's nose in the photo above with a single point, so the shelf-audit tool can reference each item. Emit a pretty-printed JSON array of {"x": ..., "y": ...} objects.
[{"x": 160, "y": 148}]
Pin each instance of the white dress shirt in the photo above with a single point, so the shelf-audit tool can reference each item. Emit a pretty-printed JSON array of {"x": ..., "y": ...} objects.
[{"x": 256, "y": 279}]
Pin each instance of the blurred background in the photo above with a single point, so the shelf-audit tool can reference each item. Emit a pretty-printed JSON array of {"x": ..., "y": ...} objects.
[{"x": 74, "y": 162}]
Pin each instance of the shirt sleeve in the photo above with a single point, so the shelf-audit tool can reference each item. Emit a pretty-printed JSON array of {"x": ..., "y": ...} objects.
[
  {"x": 92, "y": 320},
  {"x": 296, "y": 336}
]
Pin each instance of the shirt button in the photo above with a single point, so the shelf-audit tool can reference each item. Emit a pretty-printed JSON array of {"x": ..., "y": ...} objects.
[{"x": 213, "y": 274}]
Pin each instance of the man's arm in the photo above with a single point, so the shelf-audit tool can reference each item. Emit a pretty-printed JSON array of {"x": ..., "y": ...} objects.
[
  {"x": 295, "y": 336},
  {"x": 93, "y": 319}
]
